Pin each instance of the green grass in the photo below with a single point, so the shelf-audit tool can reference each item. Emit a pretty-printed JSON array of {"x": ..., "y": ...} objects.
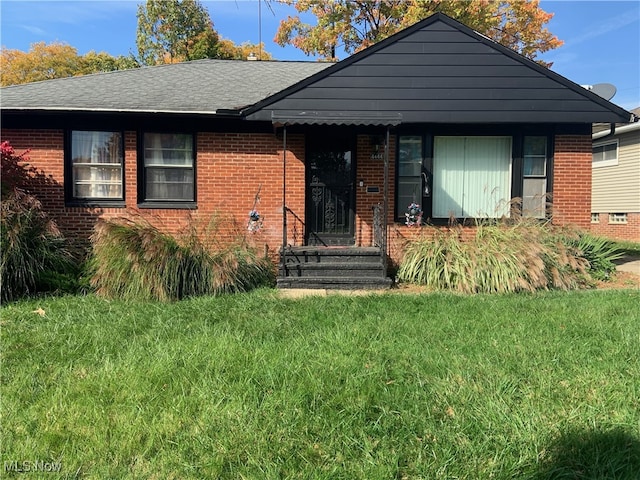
[
  {"x": 251, "y": 386},
  {"x": 629, "y": 248}
]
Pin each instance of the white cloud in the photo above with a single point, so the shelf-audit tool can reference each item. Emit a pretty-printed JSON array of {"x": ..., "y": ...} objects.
[{"x": 34, "y": 30}]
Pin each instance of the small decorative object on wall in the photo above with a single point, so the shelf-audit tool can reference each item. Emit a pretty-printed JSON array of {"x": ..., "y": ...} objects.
[
  {"x": 413, "y": 215},
  {"x": 255, "y": 220}
]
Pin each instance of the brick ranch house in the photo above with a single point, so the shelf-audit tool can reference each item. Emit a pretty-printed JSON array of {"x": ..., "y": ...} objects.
[{"x": 437, "y": 114}]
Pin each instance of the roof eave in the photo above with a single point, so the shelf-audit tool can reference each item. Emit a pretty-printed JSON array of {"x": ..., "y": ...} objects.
[
  {"x": 211, "y": 113},
  {"x": 618, "y": 131}
]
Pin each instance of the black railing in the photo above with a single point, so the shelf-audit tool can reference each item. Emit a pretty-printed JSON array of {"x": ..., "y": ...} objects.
[{"x": 378, "y": 228}]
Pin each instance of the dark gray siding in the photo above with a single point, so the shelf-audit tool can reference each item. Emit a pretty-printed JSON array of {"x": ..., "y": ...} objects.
[{"x": 441, "y": 72}]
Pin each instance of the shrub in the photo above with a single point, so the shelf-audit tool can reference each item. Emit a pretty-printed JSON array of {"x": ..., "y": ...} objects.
[
  {"x": 133, "y": 259},
  {"x": 600, "y": 253},
  {"x": 15, "y": 170},
  {"x": 523, "y": 256},
  {"x": 32, "y": 247}
]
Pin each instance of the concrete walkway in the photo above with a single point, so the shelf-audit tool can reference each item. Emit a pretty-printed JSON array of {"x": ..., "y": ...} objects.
[{"x": 629, "y": 264}]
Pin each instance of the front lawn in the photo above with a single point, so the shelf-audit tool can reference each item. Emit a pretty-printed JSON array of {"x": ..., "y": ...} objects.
[{"x": 528, "y": 386}]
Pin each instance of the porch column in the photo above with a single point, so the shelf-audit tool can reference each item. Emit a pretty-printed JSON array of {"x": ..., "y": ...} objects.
[
  {"x": 385, "y": 201},
  {"x": 284, "y": 196}
]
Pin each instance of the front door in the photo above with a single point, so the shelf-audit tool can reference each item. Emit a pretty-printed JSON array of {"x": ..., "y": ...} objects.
[{"x": 330, "y": 192}]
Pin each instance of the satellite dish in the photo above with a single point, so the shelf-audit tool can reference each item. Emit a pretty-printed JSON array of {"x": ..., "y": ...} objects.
[{"x": 604, "y": 90}]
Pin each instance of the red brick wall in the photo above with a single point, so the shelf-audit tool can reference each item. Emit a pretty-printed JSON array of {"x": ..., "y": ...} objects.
[
  {"x": 232, "y": 166},
  {"x": 230, "y": 169},
  {"x": 572, "y": 181},
  {"x": 371, "y": 172},
  {"x": 618, "y": 231}
]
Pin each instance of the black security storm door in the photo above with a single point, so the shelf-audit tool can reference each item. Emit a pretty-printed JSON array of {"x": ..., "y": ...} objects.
[{"x": 330, "y": 193}]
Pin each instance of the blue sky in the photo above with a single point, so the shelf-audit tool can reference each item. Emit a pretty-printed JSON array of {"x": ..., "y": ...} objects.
[{"x": 602, "y": 38}]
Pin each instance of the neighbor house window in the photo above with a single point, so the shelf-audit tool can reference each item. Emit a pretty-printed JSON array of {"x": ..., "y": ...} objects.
[
  {"x": 471, "y": 177},
  {"x": 96, "y": 166},
  {"x": 595, "y": 218},
  {"x": 169, "y": 174},
  {"x": 534, "y": 182},
  {"x": 605, "y": 154},
  {"x": 618, "y": 218}
]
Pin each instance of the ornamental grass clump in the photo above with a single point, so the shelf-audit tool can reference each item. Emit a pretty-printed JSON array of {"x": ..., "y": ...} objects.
[
  {"x": 601, "y": 254},
  {"x": 34, "y": 252},
  {"x": 134, "y": 260},
  {"x": 524, "y": 256},
  {"x": 32, "y": 246}
]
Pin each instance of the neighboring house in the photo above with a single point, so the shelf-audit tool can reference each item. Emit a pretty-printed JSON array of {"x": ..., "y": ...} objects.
[
  {"x": 615, "y": 201},
  {"x": 469, "y": 126}
]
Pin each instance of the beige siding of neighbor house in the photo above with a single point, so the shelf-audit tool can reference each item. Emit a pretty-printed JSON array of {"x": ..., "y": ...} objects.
[{"x": 616, "y": 188}]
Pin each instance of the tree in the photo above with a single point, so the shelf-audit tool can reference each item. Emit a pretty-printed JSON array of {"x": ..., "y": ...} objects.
[
  {"x": 56, "y": 60},
  {"x": 41, "y": 62},
  {"x": 94, "y": 62},
  {"x": 357, "y": 24},
  {"x": 171, "y": 31},
  {"x": 230, "y": 51}
]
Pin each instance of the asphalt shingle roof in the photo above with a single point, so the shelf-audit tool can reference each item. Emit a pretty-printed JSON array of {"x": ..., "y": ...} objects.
[{"x": 202, "y": 86}]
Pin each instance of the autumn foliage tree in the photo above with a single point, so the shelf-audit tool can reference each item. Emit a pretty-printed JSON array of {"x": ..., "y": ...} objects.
[
  {"x": 230, "y": 51},
  {"x": 55, "y": 60},
  {"x": 356, "y": 24},
  {"x": 41, "y": 62},
  {"x": 171, "y": 31}
]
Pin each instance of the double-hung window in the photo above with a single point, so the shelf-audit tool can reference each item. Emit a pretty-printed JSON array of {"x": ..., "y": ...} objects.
[
  {"x": 410, "y": 175},
  {"x": 534, "y": 182},
  {"x": 169, "y": 174},
  {"x": 605, "y": 154},
  {"x": 96, "y": 166}
]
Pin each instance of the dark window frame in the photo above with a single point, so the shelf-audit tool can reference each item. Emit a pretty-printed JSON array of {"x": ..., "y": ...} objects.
[
  {"x": 143, "y": 202},
  {"x": 70, "y": 199},
  {"x": 517, "y": 163}
]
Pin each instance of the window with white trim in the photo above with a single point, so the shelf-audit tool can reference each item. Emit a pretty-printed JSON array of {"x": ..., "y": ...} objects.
[
  {"x": 605, "y": 154},
  {"x": 96, "y": 166},
  {"x": 169, "y": 174},
  {"x": 617, "y": 218},
  {"x": 595, "y": 218}
]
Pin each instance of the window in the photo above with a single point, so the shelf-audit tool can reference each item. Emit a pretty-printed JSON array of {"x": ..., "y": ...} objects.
[
  {"x": 96, "y": 166},
  {"x": 595, "y": 218},
  {"x": 605, "y": 154},
  {"x": 472, "y": 176},
  {"x": 534, "y": 182},
  {"x": 410, "y": 174},
  {"x": 618, "y": 218},
  {"x": 168, "y": 167}
]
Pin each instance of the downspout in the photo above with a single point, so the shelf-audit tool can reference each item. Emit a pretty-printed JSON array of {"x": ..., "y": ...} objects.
[
  {"x": 284, "y": 200},
  {"x": 612, "y": 132}
]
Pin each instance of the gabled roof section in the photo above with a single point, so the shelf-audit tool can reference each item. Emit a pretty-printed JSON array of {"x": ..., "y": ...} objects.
[
  {"x": 440, "y": 71},
  {"x": 202, "y": 86}
]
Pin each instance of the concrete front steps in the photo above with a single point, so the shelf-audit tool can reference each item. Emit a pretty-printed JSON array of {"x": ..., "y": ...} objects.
[{"x": 333, "y": 268}]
